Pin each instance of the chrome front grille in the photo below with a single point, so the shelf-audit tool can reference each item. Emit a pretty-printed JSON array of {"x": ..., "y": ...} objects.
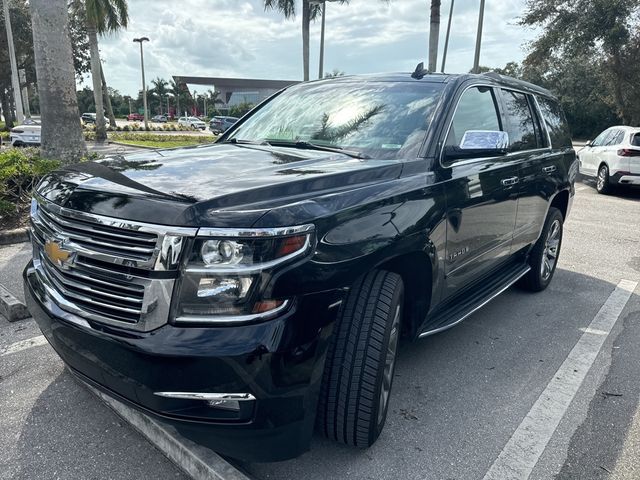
[
  {"x": 127, "y": 244},
  {"x": 106, "y": 270}
]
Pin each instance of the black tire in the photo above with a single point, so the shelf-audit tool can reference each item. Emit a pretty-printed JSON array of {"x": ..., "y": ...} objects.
[
  {"x": 358, "y": 374},
  {"x": 603, "y": 181},
  {"x": 547, "y": 248}
]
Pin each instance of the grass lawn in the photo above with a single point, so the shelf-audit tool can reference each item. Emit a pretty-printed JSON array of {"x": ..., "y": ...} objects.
[{"x": 160, "y": 141}]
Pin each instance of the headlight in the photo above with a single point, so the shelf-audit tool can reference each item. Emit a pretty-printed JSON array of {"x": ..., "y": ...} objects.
[{"x": 227, "y": 272}]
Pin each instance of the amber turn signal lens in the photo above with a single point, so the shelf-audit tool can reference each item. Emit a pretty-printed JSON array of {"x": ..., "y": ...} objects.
[
  {"x": 266, "y": 305},
  {"x": 291, "y": 245}
]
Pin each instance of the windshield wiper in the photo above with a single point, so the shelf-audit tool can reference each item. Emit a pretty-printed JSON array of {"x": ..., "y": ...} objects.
[{"x": 315, "y": 146}]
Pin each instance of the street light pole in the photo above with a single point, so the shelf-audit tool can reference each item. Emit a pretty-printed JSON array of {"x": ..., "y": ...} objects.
[
  {"x": 144, "y": 84},
  {"x": 15, "y": 80},
  {"x": 446, "y": 40},
  {"x": 476, "y": 60}
]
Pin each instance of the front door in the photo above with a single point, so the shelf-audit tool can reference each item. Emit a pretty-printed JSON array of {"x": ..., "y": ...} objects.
[{"x": 481, "y": 196}]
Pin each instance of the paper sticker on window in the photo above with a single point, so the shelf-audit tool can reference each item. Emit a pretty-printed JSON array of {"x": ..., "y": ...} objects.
[{"x": 484, "y": 139}]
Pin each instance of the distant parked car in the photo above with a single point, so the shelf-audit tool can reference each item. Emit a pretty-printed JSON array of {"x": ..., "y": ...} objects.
[
  {"x": 159, "y": 119},
  {"x": 135, "y": 117},
  {"x": 25, "y": 135},
  {"x": 192, "y": 122},
  {"x": 88, "y": 118},
  {"x": 613, "y": 158},
  {"x": 221, "y": 124}
]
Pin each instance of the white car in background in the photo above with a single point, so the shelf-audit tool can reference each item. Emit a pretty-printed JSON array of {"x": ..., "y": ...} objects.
[
  {"x": 613, "y": 158},
  {"x": 25, "y": 135},
  {"x": 192, "y": 122}
]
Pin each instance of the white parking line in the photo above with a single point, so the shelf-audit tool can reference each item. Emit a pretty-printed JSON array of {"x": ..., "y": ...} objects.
[
  {"x": 581, "y": 188},
  {"x": 522, "y": 452},
  {"x": 23, "y": 345}
]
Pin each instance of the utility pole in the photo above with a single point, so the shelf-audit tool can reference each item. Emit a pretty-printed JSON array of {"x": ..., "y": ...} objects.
[
  {"x": 434, "y": 34},
  {"x": 144, "y": 84},
  {"x": 476, "y": 60},
  {"x": 324, "y": 16},
  {"x": 446, "y": 40},
  {"x": 15, "y": 80}
]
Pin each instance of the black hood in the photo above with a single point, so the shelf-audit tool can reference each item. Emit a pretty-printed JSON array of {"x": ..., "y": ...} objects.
[{"x": 212, "y": 185}]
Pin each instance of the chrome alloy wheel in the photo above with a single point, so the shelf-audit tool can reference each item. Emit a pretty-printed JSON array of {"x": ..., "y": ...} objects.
[
  {"x": 602, "y": 178},
  {"x": 389, "y": 365},
  {"x": 550, "y": 252}
]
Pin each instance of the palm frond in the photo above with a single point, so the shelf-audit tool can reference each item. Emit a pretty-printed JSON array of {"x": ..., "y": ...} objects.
[{"x": 287, "y": 7}]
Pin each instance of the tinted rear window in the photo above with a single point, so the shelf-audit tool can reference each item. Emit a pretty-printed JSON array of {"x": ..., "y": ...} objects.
[
  {"x": 520, "y": 122},
  {"x": 635, "y": 140},
  {"x": 556, "y": 122}
]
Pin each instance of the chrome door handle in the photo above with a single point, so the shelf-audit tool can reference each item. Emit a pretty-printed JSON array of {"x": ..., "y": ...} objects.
[
  {"x": 508, "y": 182},
  {"x": 549, "y": 169}
]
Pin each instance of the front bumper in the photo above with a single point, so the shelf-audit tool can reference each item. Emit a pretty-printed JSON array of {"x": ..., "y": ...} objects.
[{"x": 279, "y": 362}]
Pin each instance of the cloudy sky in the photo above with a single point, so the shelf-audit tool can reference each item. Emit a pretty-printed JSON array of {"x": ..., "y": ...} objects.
[{"x": 237, "y": 38}]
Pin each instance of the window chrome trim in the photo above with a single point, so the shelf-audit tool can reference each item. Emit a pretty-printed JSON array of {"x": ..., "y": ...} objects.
[
  {"x": 483, "y": 159},
  {"x": 255, "y": 232},
  {"x": 233, "y": 319}
]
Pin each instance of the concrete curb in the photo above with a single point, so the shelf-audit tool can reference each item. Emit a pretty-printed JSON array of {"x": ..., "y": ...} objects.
[
  {"x": 198, "y": 462},
  {"x": 12, "y": 308},
  {"x": 18, "y": 235}
]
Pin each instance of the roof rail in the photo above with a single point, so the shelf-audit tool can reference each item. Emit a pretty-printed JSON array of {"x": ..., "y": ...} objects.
[{"x": 495, "y": 75}]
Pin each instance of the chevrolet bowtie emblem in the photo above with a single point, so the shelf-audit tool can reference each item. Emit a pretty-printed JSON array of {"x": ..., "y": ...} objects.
[{"x": 57, "y": 254}]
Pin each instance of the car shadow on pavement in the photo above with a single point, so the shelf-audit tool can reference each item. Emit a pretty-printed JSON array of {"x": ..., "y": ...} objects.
[
  {"x": 70, "y": 434},
  {"x": 459, "y": 395}
]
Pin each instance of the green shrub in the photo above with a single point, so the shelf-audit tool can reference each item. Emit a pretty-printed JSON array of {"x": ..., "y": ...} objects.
[
  {"x": 20, "y": 171},
  {"x": 5, "y": 136},
  {"x": 126, "y": 128}
]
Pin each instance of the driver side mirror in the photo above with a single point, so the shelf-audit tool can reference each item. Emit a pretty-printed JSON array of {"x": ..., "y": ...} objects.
[
  {"x": 589, "y": 143},
  {"x": 478, "y": 144}
]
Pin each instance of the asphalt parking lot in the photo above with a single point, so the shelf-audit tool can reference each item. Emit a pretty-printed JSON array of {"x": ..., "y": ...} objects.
[{"x": 465, "y": 402}]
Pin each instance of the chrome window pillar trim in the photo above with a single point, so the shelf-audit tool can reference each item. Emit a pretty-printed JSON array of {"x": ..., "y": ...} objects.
[
  {"x": 232, "y": 319},
  {"x": 255, "y": 232}
]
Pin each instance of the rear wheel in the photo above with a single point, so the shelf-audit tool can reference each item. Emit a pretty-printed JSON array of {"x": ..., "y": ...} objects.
[
  {"x": 603, "y": 182},
  {"x": 543, "y": 258},
  {"x": 361, "y": 361}
]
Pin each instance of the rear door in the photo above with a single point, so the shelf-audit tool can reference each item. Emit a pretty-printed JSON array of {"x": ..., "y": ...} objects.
[
  {"x": 481, "y": 196},
  {"x": 598, "y": 151},
  {"x": 539, "y": 140}
]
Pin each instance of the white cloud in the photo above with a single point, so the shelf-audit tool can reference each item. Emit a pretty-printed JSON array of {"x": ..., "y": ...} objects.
[{"x": 238, "y": 38}]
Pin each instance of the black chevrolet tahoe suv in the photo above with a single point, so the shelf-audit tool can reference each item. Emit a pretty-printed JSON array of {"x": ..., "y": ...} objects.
[{"x": 254, "y": 289}]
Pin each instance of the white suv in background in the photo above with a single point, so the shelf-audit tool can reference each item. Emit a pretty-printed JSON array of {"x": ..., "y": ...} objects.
[
  {"x": 192, "y": 122},
  {"x": 613, "y": 158}
]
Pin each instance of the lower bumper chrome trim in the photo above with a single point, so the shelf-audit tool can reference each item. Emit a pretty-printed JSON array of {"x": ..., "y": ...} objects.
[{"x": 240, "y": 397}]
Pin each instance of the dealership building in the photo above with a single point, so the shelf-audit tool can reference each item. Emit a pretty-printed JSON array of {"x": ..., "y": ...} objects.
[{"x": 235, "y": 91}]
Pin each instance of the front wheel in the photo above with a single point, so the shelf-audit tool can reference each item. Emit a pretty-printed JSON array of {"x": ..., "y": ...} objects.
[
  {"x": 361, "y": 359},
  {"x": 543, "y": 258}
]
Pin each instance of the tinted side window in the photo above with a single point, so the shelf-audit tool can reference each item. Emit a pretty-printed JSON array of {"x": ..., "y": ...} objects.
[
  {"x": 520, "y": 123},
  {"x": 635, "y": 140},
  {"x": 556, "y": 122},
  {"x": 476, "y": 111}
]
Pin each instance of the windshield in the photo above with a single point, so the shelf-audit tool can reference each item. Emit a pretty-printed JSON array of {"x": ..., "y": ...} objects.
[{"x": 385, "y": 120}]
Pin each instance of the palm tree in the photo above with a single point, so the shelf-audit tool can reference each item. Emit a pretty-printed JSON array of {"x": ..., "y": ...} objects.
[
  {"x": 310, "y": 12},
  {"x": 159, "y": 90},
  {"x": 62, "y": 137},
  {"x": 102, "y": 17},
  {"x": 178, "y": 92},
  {"x": 434, "y": 34}
]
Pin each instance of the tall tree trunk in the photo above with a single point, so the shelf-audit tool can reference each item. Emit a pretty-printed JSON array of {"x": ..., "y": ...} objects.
[
  {"x": 61, "y": 131},
  {"x": 6, "y": 109},
  {"x": 306, "y": 23},
  {"x": 107, "y": 100},
  {"x": 96, "y": 79},
  {"x": 434, "y": 35},
  {"x": 618, "y": 89}
]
